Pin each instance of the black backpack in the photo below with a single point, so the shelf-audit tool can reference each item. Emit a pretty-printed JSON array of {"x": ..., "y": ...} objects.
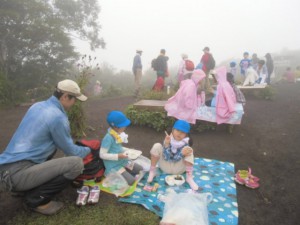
[
  {"x": 211, "y": 62},
  {"x": 154, "y": 64},
  {"x": 93, "y": 164}
]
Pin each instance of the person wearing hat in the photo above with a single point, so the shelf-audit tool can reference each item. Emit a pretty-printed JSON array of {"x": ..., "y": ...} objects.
[
  {"x": 208, "y": 63},
  {"x": 183, "y": 105},
  {"x": 184, "y": 72},
  {"x": 245, "y": 63},
  {"x": 175, "y": 156},
  {"x": 26, "y": 165},
  {"x": 113, "y": 154},
  {"x": 137, "y": 71},
  {"x": 97, "y": 88}
]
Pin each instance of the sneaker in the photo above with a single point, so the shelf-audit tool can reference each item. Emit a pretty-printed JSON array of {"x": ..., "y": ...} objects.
[
  {"x": 94, "y": 195},
  {"x": 83, "y": 194},
  {"x": 50, "y": 208}
]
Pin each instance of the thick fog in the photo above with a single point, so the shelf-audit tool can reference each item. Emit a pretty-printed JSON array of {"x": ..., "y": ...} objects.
[{"x": 228, "y": 27}]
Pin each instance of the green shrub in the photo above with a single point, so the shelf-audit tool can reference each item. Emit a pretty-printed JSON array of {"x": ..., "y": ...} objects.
[
  {"x": 267, "y": 93},
  {"x": 157, "y": 95},
  {"x": 157, "y": 120},
  {"x": 112, "y": 91},
  {"x": 160, "y": 121},
  {"x": 77, "y": 115}
]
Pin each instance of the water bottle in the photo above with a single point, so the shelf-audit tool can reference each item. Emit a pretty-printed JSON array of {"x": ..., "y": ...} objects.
[{"x": 168, "y": 89}]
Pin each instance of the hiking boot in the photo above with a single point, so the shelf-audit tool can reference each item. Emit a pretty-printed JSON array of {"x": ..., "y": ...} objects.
[{"x": 50, "y": 208}]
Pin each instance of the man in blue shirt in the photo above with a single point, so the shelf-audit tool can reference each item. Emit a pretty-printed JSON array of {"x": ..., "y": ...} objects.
[
  {"x": 25, "y": 164},
  {"x": 137, "y": 71}
]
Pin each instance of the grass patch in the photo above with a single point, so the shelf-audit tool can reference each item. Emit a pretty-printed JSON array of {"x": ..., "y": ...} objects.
[{"x": 105, "y": 212}]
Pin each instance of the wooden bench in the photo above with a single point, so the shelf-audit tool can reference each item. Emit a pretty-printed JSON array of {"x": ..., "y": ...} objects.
[
  {"x": 150, "y": 105},
  {"x": 255, "y": 87}
]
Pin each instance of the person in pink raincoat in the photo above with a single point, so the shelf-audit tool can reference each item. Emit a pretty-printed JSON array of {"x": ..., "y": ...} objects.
[
  {"x": 224, "y": 99},
  {"x": 183, "y": 105}
]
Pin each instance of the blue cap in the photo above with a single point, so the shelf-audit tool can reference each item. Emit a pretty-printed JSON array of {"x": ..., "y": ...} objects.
[
  {"x": 117, "y": 119},
  {"x": 246, "y": 53},
  {"x": 182, "y": 126},
  {"x": 232, "y": 64}
]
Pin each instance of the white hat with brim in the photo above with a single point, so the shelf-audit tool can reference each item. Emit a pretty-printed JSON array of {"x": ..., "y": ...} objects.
[
  {"x": 72, "y": 88},
  {"x": 139, "y": 50}
]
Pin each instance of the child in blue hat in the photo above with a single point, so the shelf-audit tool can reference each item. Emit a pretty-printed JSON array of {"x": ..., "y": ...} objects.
[
  {"x": 175, "y": 156},
  {"x": 113, "y": 153}
]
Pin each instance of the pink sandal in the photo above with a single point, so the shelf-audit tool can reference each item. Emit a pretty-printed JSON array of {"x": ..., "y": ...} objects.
[
  {"x": 250, "y": 183},
  {"x": 251, "y": 176},
  {"x": 245, "y": 177}
]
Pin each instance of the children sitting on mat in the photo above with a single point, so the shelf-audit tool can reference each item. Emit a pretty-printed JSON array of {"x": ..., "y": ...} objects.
[
  {"x": 113, "y": 153},
  {"x": 175, "y": 156}
]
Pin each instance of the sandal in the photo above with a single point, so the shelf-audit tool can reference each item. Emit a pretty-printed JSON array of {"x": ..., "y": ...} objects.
[
  {"x": 241, "y": 176},
  {"x": 83, "y": 194},
  {"x": 250, "y": 183},
  {"x": 244, "y": 177},
  {"x": 94, "y": 195},
  {"x": 251, "y": 176}
]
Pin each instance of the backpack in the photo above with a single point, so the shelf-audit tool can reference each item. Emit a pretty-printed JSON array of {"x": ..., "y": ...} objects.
[
  {"x": 211, "y": 62},
  {"x": 93, "y": 164},
  {"x": 154, "y": 64},
  {"x": 189, "y": 65}
]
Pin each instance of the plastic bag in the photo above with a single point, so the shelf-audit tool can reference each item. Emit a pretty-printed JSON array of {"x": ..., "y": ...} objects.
[
  {"x": 144, "y": 162},
  {"x": 186, "y": 208},
  {"x": 116, "y": 183}
]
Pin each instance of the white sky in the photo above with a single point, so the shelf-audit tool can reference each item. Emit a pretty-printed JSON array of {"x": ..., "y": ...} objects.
[{"x": 228, "y": 27}]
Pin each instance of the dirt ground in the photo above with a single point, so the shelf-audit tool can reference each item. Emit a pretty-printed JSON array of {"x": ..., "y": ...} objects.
[{"x": 268, "y": 141}]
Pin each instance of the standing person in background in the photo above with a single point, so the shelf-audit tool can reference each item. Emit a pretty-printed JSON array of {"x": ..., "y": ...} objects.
[
  {"x": 233, "y": 69},
  {"x": 270, "y": 67},
  {"x": 254, "y": 61},
  {"x": 245, "y": 63},
  {"x": 160, "y": 65},
  {"x": 137, "y": 71},
  {"x": 297, "y": 73},
  {"x": 289, "y": 76},
  {"x": 208, "y": 63},
  {"x": 97, "y": 88},
  {"x": 185, "y": 72},
  {"x": 26, "y": 165}
]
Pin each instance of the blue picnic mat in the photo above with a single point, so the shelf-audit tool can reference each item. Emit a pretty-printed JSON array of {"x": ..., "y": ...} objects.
[{"x": 212, "y": 176}]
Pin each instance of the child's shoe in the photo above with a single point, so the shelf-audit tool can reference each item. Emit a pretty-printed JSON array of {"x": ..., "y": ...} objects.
[
  {"x": 250, "y": 183},
  {"x": 244, "y": 177},
  {"x": 241, "y": 176},
  {"x": 256, "y": 179},
  {"x": 83, "y": 194},
  {"x": 94, "y": 195}
]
